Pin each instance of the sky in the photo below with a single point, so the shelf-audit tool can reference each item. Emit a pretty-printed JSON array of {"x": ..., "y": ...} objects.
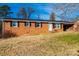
[{"x": 42, "y": 9}]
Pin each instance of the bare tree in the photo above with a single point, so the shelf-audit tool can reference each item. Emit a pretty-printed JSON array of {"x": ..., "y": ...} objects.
[
  {"x": 26, "y": 14},
  {"x": 30, "y": 11},
  {"x": 22, "y": 12},
  {"x": 52, "y": 16},
  {"x": 67, "y": 10}
]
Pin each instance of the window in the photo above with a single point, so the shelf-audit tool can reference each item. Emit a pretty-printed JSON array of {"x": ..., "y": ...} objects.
[
  {"x": 14, "y": 24},
  {"x": 27, "y": 24},
  {"x": 38, "y": 24},
  {"x": 57, "y": 25}
]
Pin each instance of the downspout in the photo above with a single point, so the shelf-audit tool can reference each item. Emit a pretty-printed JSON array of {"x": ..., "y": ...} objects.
[{"x": 2, "y": 28}]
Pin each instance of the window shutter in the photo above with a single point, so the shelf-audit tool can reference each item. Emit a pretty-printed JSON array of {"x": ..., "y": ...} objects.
[
  {"x": 18, "y": 23},
  {"x": 41, "y": 24},
  {"x": 30, "y": 23},
  {"x": 10, "y": 24}
]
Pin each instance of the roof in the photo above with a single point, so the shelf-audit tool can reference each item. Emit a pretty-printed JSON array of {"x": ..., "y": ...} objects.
[{"x": 36, "y": 20}]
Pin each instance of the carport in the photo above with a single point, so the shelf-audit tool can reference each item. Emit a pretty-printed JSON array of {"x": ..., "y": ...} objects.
[{"x": 67, "y": 25}]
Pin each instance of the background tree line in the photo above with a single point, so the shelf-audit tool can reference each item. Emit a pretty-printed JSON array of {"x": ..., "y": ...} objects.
[{"x": 6, "y": 12}]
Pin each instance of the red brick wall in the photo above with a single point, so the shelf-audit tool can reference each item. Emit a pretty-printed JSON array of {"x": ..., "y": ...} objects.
[{"x": 22, "y": 29}]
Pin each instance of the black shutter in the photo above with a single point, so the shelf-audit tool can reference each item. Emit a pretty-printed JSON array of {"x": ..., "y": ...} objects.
[
  {"x": 30, "y": 23},
  {"x": 18, "y": 23},
  {"x": 24, "y": 23},
  {"x": 41, "y": 24},
  {"x": 11, "y": 24}
]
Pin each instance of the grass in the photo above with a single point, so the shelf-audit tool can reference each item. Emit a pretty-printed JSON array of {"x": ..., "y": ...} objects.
[{"x": 52, "y": 44}]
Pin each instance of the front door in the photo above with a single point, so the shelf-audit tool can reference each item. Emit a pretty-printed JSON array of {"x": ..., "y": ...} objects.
[{"x": 50, "y": 26}]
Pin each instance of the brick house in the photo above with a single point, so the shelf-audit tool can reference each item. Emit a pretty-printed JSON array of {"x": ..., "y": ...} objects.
[{"x": 17, "y": 27}]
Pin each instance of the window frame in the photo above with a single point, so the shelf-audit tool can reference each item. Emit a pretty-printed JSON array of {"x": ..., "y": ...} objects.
[
  {"x": 14, "y": 24},
  {"x": 57, "y": 25},
  {"x": 40, "y": 24},
  {"x": 29, "y": 24}
]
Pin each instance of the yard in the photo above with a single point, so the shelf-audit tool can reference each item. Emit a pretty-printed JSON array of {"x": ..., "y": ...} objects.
[{"x": 52, "y": 44}]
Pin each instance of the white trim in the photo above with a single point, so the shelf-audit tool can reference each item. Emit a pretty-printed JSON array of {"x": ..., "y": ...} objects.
[
  {"x": 16, "y": 24},
  {"x": 57, "y": 25},
  {"x": 28, "y": 24},
  {"x": 39, "y": 24}
]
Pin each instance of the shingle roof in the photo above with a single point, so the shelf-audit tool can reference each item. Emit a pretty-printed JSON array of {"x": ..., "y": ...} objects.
[{"x": 37, "y": 20}]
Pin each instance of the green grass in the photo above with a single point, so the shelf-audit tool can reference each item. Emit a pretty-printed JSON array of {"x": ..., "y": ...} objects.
[
  {"x": 52, "y": 44},
  {"x": 70, "y": 38}
]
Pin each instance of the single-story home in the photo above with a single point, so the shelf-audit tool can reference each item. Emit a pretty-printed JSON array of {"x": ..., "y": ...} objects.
[{"x": 17, "y": 27}]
